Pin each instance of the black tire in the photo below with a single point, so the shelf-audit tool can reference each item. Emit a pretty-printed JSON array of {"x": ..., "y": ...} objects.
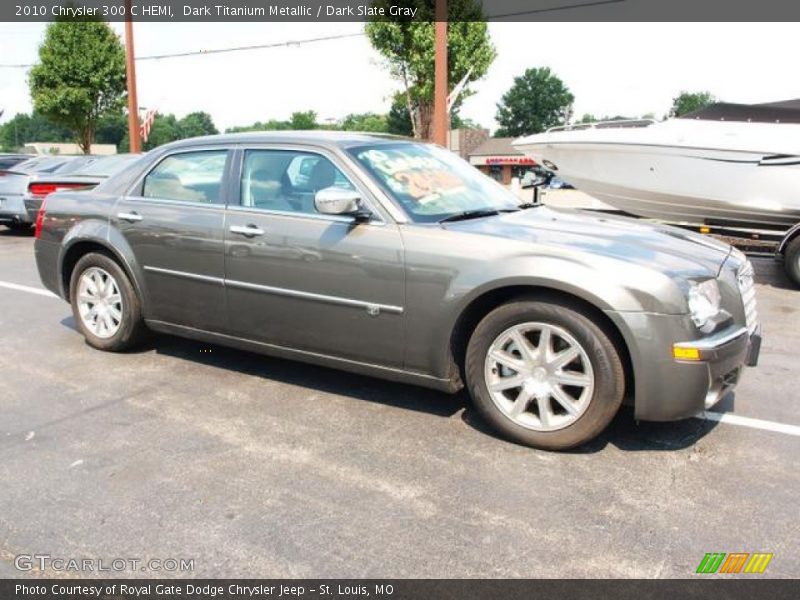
[
  {"x": 20, "y": 227},
  {"x": 131, "y": 327},
  {"x": 606, "y": 364},
  {"x": 791, "y": 260}
]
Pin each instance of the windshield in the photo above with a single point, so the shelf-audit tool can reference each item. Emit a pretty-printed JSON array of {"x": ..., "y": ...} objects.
[{"x": 430, "y": 183}]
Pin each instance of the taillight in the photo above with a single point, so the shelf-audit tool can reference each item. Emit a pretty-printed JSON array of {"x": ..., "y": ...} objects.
[
  {"x": 40, "y": 219},
  {"x": 41, "y": 190}
]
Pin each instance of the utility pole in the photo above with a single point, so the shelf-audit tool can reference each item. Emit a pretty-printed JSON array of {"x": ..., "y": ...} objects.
[
  {"x": 441, "y": 118},
  {"x": 130, "y": 72}
]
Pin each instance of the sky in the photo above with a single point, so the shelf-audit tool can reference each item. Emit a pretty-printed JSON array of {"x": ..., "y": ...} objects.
[{"x": 612, "y": 68}]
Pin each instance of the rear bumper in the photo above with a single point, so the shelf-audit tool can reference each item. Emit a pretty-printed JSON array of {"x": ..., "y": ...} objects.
[
  {"x": 12, "y": 208},
  {"x": 47, "y": 260},
  {"x": 670, "y": 389},
  {"x": 32, "y": 206}
]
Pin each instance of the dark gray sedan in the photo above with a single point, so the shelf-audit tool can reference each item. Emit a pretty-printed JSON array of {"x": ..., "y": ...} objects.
[{"x": 396, "y": 259}]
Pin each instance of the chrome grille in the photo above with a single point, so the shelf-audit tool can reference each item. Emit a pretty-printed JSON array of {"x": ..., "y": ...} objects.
[{"x": 747, "y": 289}]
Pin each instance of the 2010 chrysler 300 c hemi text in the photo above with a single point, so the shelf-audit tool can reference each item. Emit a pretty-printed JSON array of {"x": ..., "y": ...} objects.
[{"x": 397, "y": 259}]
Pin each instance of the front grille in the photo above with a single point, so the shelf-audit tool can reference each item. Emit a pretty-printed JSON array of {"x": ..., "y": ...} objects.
[{"x": 747, "y": 289}]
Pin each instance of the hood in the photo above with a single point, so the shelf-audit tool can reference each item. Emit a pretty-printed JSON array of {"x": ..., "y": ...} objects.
[{"x": 660, "y": 247}]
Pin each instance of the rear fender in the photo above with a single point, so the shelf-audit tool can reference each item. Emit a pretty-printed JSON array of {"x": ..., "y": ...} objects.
[{"x": 97, "y": 231}]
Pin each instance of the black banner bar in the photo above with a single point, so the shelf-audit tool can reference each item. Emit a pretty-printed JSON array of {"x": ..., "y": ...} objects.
[
  {"x": 363, "y": 10},
  {"x": 705, "y": 587}
]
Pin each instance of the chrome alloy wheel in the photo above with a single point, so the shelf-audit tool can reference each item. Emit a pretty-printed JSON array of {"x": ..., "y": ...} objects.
[
  {"x": 100, "y": 302},
  {"x": 539, "y": 376}
]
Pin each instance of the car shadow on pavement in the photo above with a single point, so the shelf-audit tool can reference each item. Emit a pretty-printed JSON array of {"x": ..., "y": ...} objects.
[
  {"x": 321, "y": 379},
  {"x": 624, "y": 432},
  {"x": 20, "y": 233}
]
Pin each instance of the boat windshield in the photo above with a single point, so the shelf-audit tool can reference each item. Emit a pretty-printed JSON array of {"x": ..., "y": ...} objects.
[{"x": 432, "y": 184}]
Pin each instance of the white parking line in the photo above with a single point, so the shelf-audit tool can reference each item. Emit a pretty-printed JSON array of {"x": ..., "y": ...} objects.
[
  {"x": 708, "y": 416},
  {"x": 750, "y": 422},
  {"x": 27, "y": 288}
]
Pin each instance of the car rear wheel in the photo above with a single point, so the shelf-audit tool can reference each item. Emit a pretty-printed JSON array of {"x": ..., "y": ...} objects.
[
  {"x": 543, "y": 374},
  {"x": 791, "y": 260},
  {"x": 18, "y": 226},
  {"x": 104, "y": 303}
]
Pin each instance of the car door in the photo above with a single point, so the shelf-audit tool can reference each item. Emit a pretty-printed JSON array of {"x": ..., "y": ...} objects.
[
  {"x": 173, "y": 220},
  {"x": 307, "y": 281}
]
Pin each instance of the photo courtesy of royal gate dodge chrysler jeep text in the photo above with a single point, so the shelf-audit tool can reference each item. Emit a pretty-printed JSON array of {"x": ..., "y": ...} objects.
[{"x": 396, "y": 259}]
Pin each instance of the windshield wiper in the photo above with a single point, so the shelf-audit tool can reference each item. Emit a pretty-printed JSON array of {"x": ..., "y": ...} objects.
[
  {"x": 527, "y": 205},
  {"x": 470, "y": 214}
]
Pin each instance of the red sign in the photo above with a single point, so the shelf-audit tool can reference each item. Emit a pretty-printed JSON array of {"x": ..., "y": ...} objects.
[{"x": 510, "y": 160}]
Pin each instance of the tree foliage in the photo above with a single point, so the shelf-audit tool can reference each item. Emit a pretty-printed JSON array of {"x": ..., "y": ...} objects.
[
  {"x": 687, "y": 102},
  {"x": 80, "y": 76},
  {"x": 196, "y": 124},
  {"x": 537, "y": 100},
  {"x": 168, "y": 128},
  {"x": 369, "y": 121},
  {"x": 25, "y": 128},
  {"x": 408, "y": 47}
]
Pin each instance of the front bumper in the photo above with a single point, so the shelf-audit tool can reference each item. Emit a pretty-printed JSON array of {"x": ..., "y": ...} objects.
[
  {"x": 724, "y": 353},
  {"x": 667, "y": 388}
]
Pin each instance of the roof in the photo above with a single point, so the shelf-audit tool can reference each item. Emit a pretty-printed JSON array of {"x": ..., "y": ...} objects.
[
  {"x": 497, "y": 147},
  {"x": 320, "y": 137}
]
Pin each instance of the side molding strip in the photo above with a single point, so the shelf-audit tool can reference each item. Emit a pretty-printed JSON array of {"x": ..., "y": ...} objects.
[{"x": 371, "y": 307}]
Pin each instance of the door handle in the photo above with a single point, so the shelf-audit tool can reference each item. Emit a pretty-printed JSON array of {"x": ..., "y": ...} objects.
[
  {"x": 131, "y": 216},
  {"x": 248, "y": 231}
]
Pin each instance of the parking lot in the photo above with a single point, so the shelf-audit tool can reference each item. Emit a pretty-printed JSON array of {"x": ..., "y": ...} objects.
[{"x": 257, "y": 467}]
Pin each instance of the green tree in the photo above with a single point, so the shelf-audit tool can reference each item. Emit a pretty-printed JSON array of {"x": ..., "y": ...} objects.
[
  {"x": 111, "y": 128},
  {"x": 408, "y": 47},
  {"x": 687, "y": 102},
  {"x": 372, "y": 122},
  {"x": 304, "y": 120},
  {"x": 80, "y": 76},
  {"x": 398, "y": 121},
  {"x": 25, "y": 128},
  {"x": 196, "y": 124},
  {"x": 537, "y": 100}
]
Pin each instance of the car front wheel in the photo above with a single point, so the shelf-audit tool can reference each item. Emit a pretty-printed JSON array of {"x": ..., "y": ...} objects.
[
  {"x": 105, "y": 304},
  {"x": 543, "y": 374},
  {"x": 791, "y": 260}
]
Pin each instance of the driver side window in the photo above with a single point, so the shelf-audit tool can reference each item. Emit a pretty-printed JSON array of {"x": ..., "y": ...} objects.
[{"x": 287, "y": 180}]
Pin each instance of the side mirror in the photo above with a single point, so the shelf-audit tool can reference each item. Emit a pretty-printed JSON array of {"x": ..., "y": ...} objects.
[
  {"x": 540, "y": 180},
  {"x": 339, "y": 201}
]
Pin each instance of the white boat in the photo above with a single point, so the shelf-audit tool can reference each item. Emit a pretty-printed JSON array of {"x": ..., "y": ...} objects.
[{"x": 727, "y": 164}]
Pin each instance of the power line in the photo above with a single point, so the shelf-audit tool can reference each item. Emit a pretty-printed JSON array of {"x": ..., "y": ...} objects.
[{"x": 287, "y": 43}]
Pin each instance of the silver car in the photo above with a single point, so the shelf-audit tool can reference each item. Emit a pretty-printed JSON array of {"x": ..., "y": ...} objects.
[
  {"x": 18, "y": 185},
  {"x": 396, "y": 259}
]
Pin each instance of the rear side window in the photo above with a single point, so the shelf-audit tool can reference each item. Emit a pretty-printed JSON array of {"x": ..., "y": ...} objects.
[{"x": 191, "y": 176}]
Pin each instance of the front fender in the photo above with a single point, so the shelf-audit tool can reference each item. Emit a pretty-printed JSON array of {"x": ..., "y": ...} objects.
[{"x": 604, "y": 282}]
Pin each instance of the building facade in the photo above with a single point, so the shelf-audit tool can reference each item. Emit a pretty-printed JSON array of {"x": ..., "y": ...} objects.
[{"x": 498, "y": 159}]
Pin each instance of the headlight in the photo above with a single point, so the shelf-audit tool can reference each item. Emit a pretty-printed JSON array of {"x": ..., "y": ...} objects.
[{"x": 704, "y": 301}]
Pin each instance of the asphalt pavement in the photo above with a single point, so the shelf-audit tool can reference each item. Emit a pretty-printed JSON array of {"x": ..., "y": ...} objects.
[{"x": 258, "y": 467}]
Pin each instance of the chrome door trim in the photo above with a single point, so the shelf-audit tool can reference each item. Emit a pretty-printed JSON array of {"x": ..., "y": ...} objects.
[
  {"x": 373, "y": 308},
  {"x": 185, "y": 275},
  {"x": 301, "y": 215}
]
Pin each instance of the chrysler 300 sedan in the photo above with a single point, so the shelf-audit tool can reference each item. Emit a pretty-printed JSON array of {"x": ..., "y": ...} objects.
[{"x": 396, "y": 259}]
